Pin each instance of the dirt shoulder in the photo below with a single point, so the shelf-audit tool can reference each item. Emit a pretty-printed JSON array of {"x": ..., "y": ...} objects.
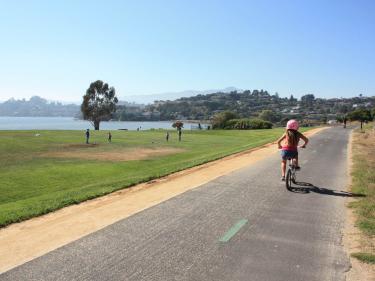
[
  {"x": 35, "y": 237},
  {"x": 354, "y": 240}
]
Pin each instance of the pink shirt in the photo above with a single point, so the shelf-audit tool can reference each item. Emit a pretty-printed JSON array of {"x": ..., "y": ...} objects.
[{"x": 289, "y": 148}]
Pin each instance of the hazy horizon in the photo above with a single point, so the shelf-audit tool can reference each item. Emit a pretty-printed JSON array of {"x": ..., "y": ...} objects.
[
  {"x": 56, "y": 49},
  {"x": 139, "y": 97}
]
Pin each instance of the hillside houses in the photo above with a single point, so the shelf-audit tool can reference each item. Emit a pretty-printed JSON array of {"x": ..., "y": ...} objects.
[{"x": 248, "y": 104}]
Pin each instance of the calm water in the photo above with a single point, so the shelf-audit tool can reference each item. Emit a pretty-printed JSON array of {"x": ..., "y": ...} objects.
[{"x": 68, "y": 123}]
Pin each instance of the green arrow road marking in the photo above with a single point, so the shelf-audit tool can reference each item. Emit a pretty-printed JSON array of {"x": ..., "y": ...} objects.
[{"x": 231, "y": 232}]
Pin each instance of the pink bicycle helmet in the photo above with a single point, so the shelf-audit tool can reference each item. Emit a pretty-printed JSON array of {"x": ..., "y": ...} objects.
[{"x": 292, "y": 125}]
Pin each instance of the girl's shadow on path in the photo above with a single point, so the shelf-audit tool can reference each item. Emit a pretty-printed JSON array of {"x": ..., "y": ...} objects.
[{"x": 305, "y": 187}]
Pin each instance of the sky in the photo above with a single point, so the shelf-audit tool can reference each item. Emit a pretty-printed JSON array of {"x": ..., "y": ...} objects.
[{"x": 55, "y": 49}]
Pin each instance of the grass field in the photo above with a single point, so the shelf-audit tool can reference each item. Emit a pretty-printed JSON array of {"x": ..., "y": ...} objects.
[
  {"x": 42, "y": 173},
  {"x": 364, "y": 183}
]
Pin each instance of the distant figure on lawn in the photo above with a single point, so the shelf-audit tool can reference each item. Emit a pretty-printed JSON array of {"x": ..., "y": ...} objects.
[
  {"x": 167, "y": 136},
  {"x": 109, "y": 137},
  {"x": 179, "y": 134},
  {"x": 87, "y": 136}
]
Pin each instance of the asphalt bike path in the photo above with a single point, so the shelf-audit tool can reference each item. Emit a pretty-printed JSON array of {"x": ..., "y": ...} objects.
[{"x": 242, "y": 226}]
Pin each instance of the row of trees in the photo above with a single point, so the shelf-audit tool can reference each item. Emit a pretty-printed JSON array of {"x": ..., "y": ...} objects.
[{"x": 266, "y": 119}]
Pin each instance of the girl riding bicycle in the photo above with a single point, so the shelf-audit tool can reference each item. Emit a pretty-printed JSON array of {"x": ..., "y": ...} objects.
[{"x": 289, "y": 148}]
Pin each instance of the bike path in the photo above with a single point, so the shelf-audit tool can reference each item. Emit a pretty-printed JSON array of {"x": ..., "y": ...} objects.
[{"x": 242, "y": 226}]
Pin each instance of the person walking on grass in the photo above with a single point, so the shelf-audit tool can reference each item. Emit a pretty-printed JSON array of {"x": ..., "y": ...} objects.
[
  {"x": 87, "y": 136},
  {"x": 289, "y": 149},
  {"x": 109, "y": 137}
]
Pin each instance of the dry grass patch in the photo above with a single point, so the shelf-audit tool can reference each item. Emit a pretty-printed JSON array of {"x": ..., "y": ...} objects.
[
  {"x": 363, "y": 175},
  {"x": 118, "y": 155}
]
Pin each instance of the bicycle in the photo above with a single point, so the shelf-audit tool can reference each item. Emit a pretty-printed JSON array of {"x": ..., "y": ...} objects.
[{"x": 291, "y": 176}]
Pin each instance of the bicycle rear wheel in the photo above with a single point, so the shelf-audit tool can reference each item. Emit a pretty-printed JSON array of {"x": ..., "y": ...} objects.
[{"x": 289, "y": 180}]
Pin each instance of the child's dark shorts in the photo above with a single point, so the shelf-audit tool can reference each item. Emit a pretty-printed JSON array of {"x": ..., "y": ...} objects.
[{"x": 286, "y": 154}]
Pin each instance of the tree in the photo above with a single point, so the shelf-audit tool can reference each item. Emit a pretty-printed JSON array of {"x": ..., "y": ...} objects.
[
  {"x": 343, "y": 108},
  {"x": 269, "y": 115},
  {"x": 219, "y": 119},
  {"x": 178, "y": 125},
  {"x": 99, "y": 103},
  {"x": 361, "y": 115},
  {"x": 292, "y": 100},
  {"x": 307, "y": 100},
  {"x": 340, "y": 118}
]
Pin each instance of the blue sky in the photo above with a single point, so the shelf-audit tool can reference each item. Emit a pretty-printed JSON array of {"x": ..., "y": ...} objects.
[{"x": 56, "y": 48}]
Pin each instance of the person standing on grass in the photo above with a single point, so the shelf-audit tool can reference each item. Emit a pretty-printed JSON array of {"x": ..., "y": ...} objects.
[
  {"x": 109, "y": 137},
  {"x": 87, "y": 136},
  {"x": 179, "y": 134},
  {"x": 167, "y": 136}
]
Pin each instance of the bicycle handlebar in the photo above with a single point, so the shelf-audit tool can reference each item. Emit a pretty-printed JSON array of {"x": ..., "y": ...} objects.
[{"x": 300, "y": 146}]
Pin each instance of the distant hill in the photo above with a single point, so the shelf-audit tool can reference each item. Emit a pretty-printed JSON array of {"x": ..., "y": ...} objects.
[
  {"x": 198, "y": 106},
  {"x": 38, "y": 106},
  {"x": 148, "y": 99},
  {"x": 246, "y": 104}
]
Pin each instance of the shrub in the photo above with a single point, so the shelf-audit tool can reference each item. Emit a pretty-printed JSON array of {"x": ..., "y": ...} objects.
[
  {"x": 219, "y": 120},
  {"x": 247, "y": 124}
]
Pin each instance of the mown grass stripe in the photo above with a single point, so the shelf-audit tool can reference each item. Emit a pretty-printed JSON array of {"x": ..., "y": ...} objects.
[{"x": 233, "y": 230}]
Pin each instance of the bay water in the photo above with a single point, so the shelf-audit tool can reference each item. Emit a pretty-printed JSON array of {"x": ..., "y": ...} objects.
[{"x": 70, "y": 123}]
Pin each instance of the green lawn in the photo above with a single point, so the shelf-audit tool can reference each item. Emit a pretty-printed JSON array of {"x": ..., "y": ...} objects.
[{"x": 35, "y": 181}]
